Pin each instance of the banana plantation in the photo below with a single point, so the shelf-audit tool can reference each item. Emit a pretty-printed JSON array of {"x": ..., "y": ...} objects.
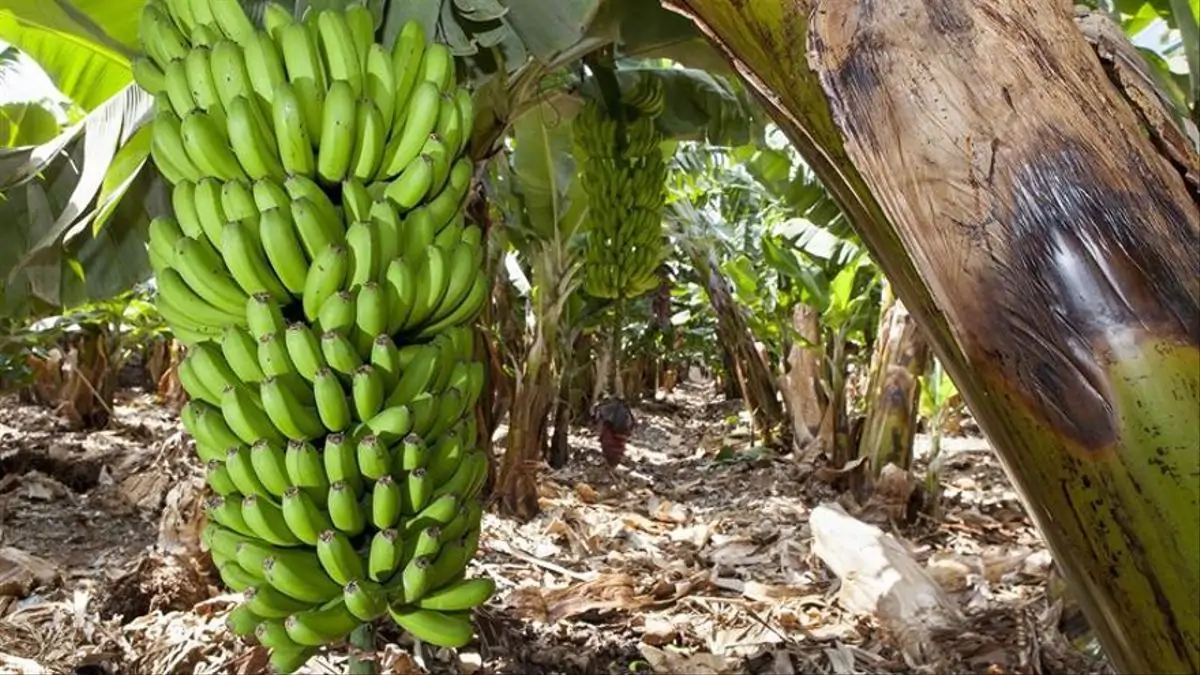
[{"x": 599, "y": 336}]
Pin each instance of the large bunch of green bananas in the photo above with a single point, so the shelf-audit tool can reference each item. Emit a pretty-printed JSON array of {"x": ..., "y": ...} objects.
[
  {"x": 624, "y": 176},
  {"x": 319, "y": 266}
]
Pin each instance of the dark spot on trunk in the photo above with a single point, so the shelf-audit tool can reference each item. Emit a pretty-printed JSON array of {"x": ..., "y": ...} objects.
[
  {"x": 1079, "y": 245},
  {"x": 949, "y": 17}
]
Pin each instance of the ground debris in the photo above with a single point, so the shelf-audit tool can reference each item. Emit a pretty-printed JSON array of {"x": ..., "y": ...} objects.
[{"x": 696, "y": 555}]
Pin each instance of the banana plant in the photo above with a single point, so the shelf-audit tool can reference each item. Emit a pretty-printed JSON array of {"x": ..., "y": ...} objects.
[{"x": 545, "y": 214}]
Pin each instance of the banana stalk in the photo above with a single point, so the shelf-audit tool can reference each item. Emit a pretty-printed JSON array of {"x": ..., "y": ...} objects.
[{"x": 1052, "y": 261}]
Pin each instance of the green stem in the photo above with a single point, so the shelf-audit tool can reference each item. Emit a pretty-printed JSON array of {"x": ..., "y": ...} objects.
[
  {"x": 618, "y": 389},
  {"x": 363, "y": 639}
]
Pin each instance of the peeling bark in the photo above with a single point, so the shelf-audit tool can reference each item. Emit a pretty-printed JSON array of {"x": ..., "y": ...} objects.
[
  {"x": 1047, "y": 238},
  {"x": 799, "y": 384}
]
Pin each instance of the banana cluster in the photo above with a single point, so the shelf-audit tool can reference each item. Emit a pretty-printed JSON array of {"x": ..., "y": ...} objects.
[
  {"x": 320, "y": 268},
  {"x": 624, "y": 176}
]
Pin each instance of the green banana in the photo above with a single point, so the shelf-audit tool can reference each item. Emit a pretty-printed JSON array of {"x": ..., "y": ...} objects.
[
  {"x": 241, "y": 621},
  {"x": 337, "y": 46},
  {"x": 371, "y": 131},
  {"x": 344, "y": 509},
  {"x": 252, "y": 140},
  {"x": 167, "y": 136},
  {"x": 306, "y": 469},
  {"x": 306, "y": 73},
  {"x": 269, "y": 465},
  {"x": 157, "y": 32},
  {"x": 340, "y": 353},
  {"x": 379, "y": 83},
  {"x": 365, "y": 599},
  {"x": 401, "y": 290},
  {"x": 383, "y": 556},
  {"x": 263, "y": 315},
  {"x": 385, "y": 503},
  {"x": 179, "y": 94},
  {"x": 232, "y": 20},
  {"x": 149, "y": 76},
  {"x": 197, "y": 68},
  {"x": 324, "y": 625},
  {"x": 385, "y": 357},
  {"x": 341, "y": 462},
  {"x": 217, "y": 478},
  {"x": 207, "y": 146},
  {"x": 326, "y": 275},
  {"x": 264, "y": 66},
  {"x": 304, "y": 349},
  {"x": 245, "y": 416},
  {"x": 392, "y": 423},
  {"x": 301, "y": 578},
  {"x": 283, "y": 249},
  {"x": 337, "y": 312},
  {"x": 443, "y": 629},
  {"x": 201, "y": 267},
  {"x": 270, "y": 603},
  {"x": 338, "y": 130},
  {"x": 332, "y": 407},
  {"x": 374, "y": 457},
  {"x": 413, "y": 183},
  {"x": 341, "y": 562},
  {"x": 173, "y": 286},
  {"x": 421, "y": 114},
  {"x": 272, "y": 635},
  {"x": 416, "y": 376},
  {"x": 287, "y": 412},
  {"x": 266, "y": 520},
  {"x": 362, "y": 240},
  {"x": 303, "y": 517},
  {"x": 247, "y": 261},
  {"x": 414, "y": 454},
  {"x": 366, "y": 392},
  {"x": 417, "y": 491},
  {"x": 239, "y": 465},
  {"x": 210, "y": 209},
  {"x": 193, "y": 384},
  {"x": 228, "y": 512},
  {"x": 237, "y": 200},
  {"x": 437, "y": 66},
  {"x": 293, "y": 134},
  {"x": 407, "y": 51},
  {"x": 270, "y": 194}
]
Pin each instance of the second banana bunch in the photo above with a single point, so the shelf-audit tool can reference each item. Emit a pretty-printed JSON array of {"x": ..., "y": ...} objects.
[
  {"x": 624, "y": 176},
  {"x": 319, "y": 267}
]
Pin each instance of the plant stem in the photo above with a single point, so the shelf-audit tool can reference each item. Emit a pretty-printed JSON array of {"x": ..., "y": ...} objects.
[
  {"x": 618, "y": 389},
  {"x": 363, "y": 639}
]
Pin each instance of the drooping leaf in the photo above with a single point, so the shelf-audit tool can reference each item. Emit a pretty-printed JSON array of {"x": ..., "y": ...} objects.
[
  {"x": 543, "y": 164},
  {"x": 125, "y": 167}
]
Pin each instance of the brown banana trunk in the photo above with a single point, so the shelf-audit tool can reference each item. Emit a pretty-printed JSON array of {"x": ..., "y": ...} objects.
[
  {"x": 894, "y": 392},
  {"x": 799, "y": 383},
  {"x": 1036, "y": 209},
  {"x": 753, "y": 376}
]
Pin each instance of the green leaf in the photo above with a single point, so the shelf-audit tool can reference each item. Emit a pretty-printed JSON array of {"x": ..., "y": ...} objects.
[
  {"x": 86, "y": 65},
  {"x": 26, "y": 124},
  {"x": 480, "y": 10},
  {"x": 549, "y": 28},
  {"x": 400, "y": 12}
]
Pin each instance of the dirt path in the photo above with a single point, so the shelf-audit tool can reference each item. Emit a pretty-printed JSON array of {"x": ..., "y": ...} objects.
[{"x": 694, "y": 557}]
